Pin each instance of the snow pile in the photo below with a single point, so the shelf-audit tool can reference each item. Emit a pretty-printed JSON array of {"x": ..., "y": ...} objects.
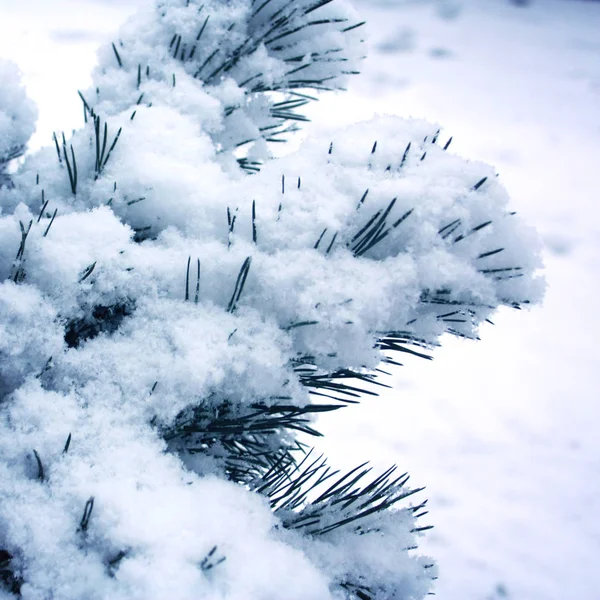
[{"x": 157, "y": 300}]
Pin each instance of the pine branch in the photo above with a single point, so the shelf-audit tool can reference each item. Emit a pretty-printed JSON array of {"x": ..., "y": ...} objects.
[
  {"x": 249, "y": 440},
  {"x": 283, "y": 28},
  {"x": 333, "y": 384},
  {"x": 376, "y": 229},
  {"x": 298, "y": 495},
  {"x": 260, "y": 418}
]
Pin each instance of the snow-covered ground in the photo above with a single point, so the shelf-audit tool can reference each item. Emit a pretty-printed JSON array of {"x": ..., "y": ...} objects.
[{"x": 503, "y": 432}]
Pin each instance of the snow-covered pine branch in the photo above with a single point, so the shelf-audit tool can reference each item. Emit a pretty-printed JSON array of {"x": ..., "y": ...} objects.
[
  {"x": 255, "y": 61},
  {"x": 170, "y": 324}
]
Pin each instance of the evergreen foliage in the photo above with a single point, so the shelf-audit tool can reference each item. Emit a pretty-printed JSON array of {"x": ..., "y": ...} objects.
[{"x": 176, "y": 309}]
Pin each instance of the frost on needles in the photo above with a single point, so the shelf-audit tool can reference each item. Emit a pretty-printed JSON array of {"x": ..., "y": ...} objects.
[{"x": 176, "y": 308}]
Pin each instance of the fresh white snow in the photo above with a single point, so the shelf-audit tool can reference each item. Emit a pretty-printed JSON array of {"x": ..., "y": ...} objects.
[{"x": 501, "y": 431}]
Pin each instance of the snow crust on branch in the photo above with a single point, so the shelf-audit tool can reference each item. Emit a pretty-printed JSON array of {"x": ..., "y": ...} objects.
[{"x": 145, "y": 278}]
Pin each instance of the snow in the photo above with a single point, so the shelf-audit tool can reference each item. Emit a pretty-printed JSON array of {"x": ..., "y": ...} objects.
[
  {"x": 492, "y": 428},
  {"x": 161, "y": 554},
  {"x": 18, "y": 112}
]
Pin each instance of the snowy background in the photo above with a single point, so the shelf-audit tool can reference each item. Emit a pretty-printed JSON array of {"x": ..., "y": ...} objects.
[{"x": 503, "y": 432}]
